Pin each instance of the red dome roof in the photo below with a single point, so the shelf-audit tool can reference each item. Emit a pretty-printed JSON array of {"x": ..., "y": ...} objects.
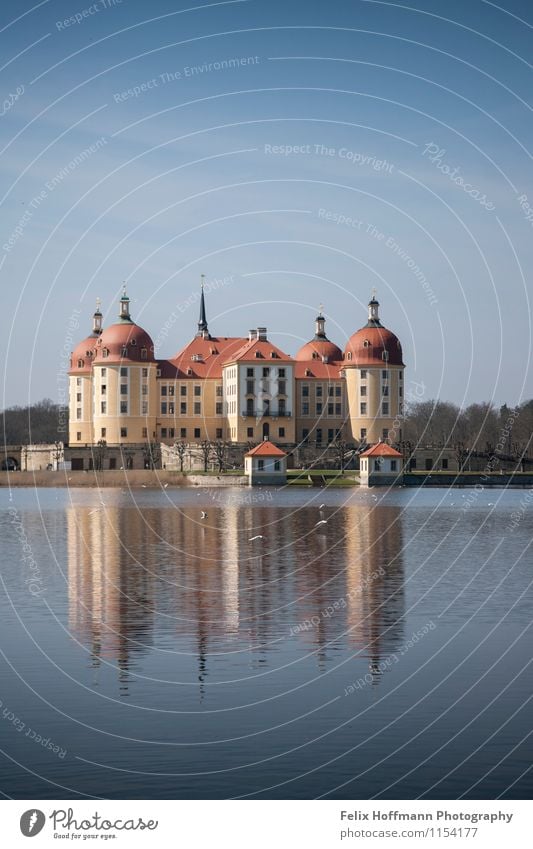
[
  {"x": 83, "y": 355},
  {"x": 366, "y": 347},
  {"x": 317, "y": 349},
  {"x": 125, "y": 341}
]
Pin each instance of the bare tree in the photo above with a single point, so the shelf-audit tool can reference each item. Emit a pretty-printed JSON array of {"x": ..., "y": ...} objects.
[
  {"x": 152, "y": 455},
  {"x": 99, "y": 454},
  {"x": 206, "y": 449},
  {"x": 341, "y": 451},
  {"x": 220, "y": 453},
  {"x": 180, "y": 449}
]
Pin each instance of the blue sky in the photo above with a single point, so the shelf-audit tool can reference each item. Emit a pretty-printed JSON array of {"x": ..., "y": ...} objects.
[{"x": 323, "y": 160}]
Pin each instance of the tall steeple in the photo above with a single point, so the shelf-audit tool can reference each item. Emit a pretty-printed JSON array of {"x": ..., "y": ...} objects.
[
  {"x": 203, "y": 329},
  {"x": 373, "y": 311},
  {"x": 97, "y": 319},
  {"x": 320, "y": 325},
  {"x": 124, "y": 313}
]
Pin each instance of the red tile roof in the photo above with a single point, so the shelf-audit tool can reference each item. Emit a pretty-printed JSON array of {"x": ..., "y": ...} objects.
[
  {"x": 381, "y": 449},
  {"x": 266, "y": 449},
  {"x": 204, "y": 358},
  {"x": 250, "y": 349},
  {"x": 318, "y": 370}
]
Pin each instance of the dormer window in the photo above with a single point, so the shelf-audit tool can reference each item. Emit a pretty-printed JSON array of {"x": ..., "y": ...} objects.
[
  {"x": 133, "y": 342},
  {"x": 124, "y": 351},
  {"x": 80, "y": 363},
  {"x": 105, "y": 353},
  {"x": 144, "y": 354},
  {"x": 189, "y": 371},
  {"x": 315, "y": 355},
  {"x": 385, "y": 355},
  {"x": 258, "y": 355},
  {"x": 349, "y": 357},
  {"x": 366, "y": 343}
]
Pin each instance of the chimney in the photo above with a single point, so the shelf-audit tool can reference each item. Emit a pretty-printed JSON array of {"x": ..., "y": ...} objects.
[
  {"x": 262, "y": 334},
  {"x": 252, "y": 335}
]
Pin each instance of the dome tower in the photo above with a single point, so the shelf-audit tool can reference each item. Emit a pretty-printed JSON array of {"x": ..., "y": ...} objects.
[{"x": 374, "y": 368}]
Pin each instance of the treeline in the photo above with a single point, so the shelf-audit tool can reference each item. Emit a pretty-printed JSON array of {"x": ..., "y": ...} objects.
[
  {"x": 479, "y": 428},
  {"x": 39, "y": 422}
]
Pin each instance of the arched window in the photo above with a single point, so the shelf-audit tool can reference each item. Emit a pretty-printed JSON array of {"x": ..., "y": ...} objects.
[
  {"x": 105, "y": 353},
  {"x": 366, "y": 343},
  {"x": 80, "y": 363},
  {"x": 144, "y": 354},
  {"x": 124, "y": 352},
  {"x": 349, "y": 355}
]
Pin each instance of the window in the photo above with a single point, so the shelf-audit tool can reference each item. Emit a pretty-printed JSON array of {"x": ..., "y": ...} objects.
[
  {"x": 219, "y": 409},
  {"x": 445, "y": 464},
  {"x": 385, "y": 355},
  {"x": 250, "y": 387},
  {"x": 144, "y": 389},
  {"x": 385, "y": 433},
  {"x": 123, "y": 406},
  {"x": 80, "y": 363},
  {"x": 78, "y": 436},
  {"x": 171, "y": 408},
  {"x": 103, "y": 407},
  {"x": 400, "y": 375},
  {"x": 145, "y": 372},
  {"x": 385, "y": 408},
  {"x": 105, "y": 353},
  {"x": 197, "y": 408},
  {"x": 366, "y": 343},
  {"x": 163, "y": 433},
  {"x": 197, "y": 391},
  {"x": 145, "y": 433},
  {"x": 363, "y": 374},
  {"x": 282, "y": 387},
  {"x": 219, "y": 433},
  {"x": 281, "y": 433},
  {"x": 123, "y": 388},
  {"x": 163, "y": 391},
  {"x": 171, "y": 391},
  {"x": 319, "y": 390},
  {"x": 384, "y": 390},
  {"x": 197, "y": 433},
  {"x": 103, "y": 432},
  {"x": 319, "y": 436},
  {"x": 305, "y": 409},
  {"x": 393, "y": 464},
  {"x": 338, "y": 409},
  {"x": 331, "y": 391},
  {"x": 171, "y": 432},
  {"x": 305, "y": 434},
  {"x": 331, "y": 435},
  {"x": 400, "y": 390},
  {"x": 266, "y": 372},
  {"x": 123, "y": 372},
  {"x": 338, "y": 391},
  {"x": 281, "y": 372},
  {"x": 183, "y": 408},
  {"x": 349, "y": 355},
  {"x": 261, "y": 465},
  {"x": 123, "y": 432},
  {"x": 319, "y": 409},
  {"x": 249, "y": 372},
  {"x": 385, "y": 374},
  {"x": 250, "y": 433},
  {"x": 78, "y": 397},
  {"x": 183, "y": 391},
  {"x": 163, "y": 408},
  {"x": 331, "y": 408},
  {"x": 78, "y": 379},
  {"x": 363, "y": 409},
  {"x": 124, "y": 352},
  {"x": 144, "y": 354},
  {"x": 144, "y": 408},
  {"x": 363, "y": 434},
  {"x": 305, "y": 391},
  {"x": 183, "y": 433},
  {"x": 219, "y": 391},
  {"x": 277, "y": 466}
]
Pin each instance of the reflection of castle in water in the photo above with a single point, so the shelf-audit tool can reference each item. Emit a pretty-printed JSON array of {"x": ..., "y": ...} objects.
[{"x": 205, "y": 590}]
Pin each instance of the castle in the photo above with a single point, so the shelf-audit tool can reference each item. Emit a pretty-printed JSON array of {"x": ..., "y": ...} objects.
[{"x": 234, "y": 389}]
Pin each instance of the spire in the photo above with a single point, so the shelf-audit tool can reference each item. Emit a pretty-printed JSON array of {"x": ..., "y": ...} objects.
[
  {"x": 203, "y": 329},
  {"x": 124, "y": 313},
  {"x": 97, "y": 319},
  {"x": 373, "y": 311},
  {"x": 320, "y": 325}
]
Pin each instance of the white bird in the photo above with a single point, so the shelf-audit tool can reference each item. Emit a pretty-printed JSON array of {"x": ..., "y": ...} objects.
[
  {"x": 165, "y": 486},
  {"x": 322, "y": 522},
  {"x": 259, "y": 536},
  {"x": 204, "y": 515},
  {"x": 144, "y": 486}
]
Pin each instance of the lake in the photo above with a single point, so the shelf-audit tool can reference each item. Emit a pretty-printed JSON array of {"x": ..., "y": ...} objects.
[{"x": 149, "y": 653}]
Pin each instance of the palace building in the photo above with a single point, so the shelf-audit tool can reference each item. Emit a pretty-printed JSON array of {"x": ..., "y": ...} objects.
[{"x": 239, "y": 390}]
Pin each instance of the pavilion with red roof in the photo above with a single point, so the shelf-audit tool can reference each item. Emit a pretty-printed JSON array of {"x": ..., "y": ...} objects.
[
  {"x": 266, "y": 465},
  {"x": 381, "y": 465}
]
